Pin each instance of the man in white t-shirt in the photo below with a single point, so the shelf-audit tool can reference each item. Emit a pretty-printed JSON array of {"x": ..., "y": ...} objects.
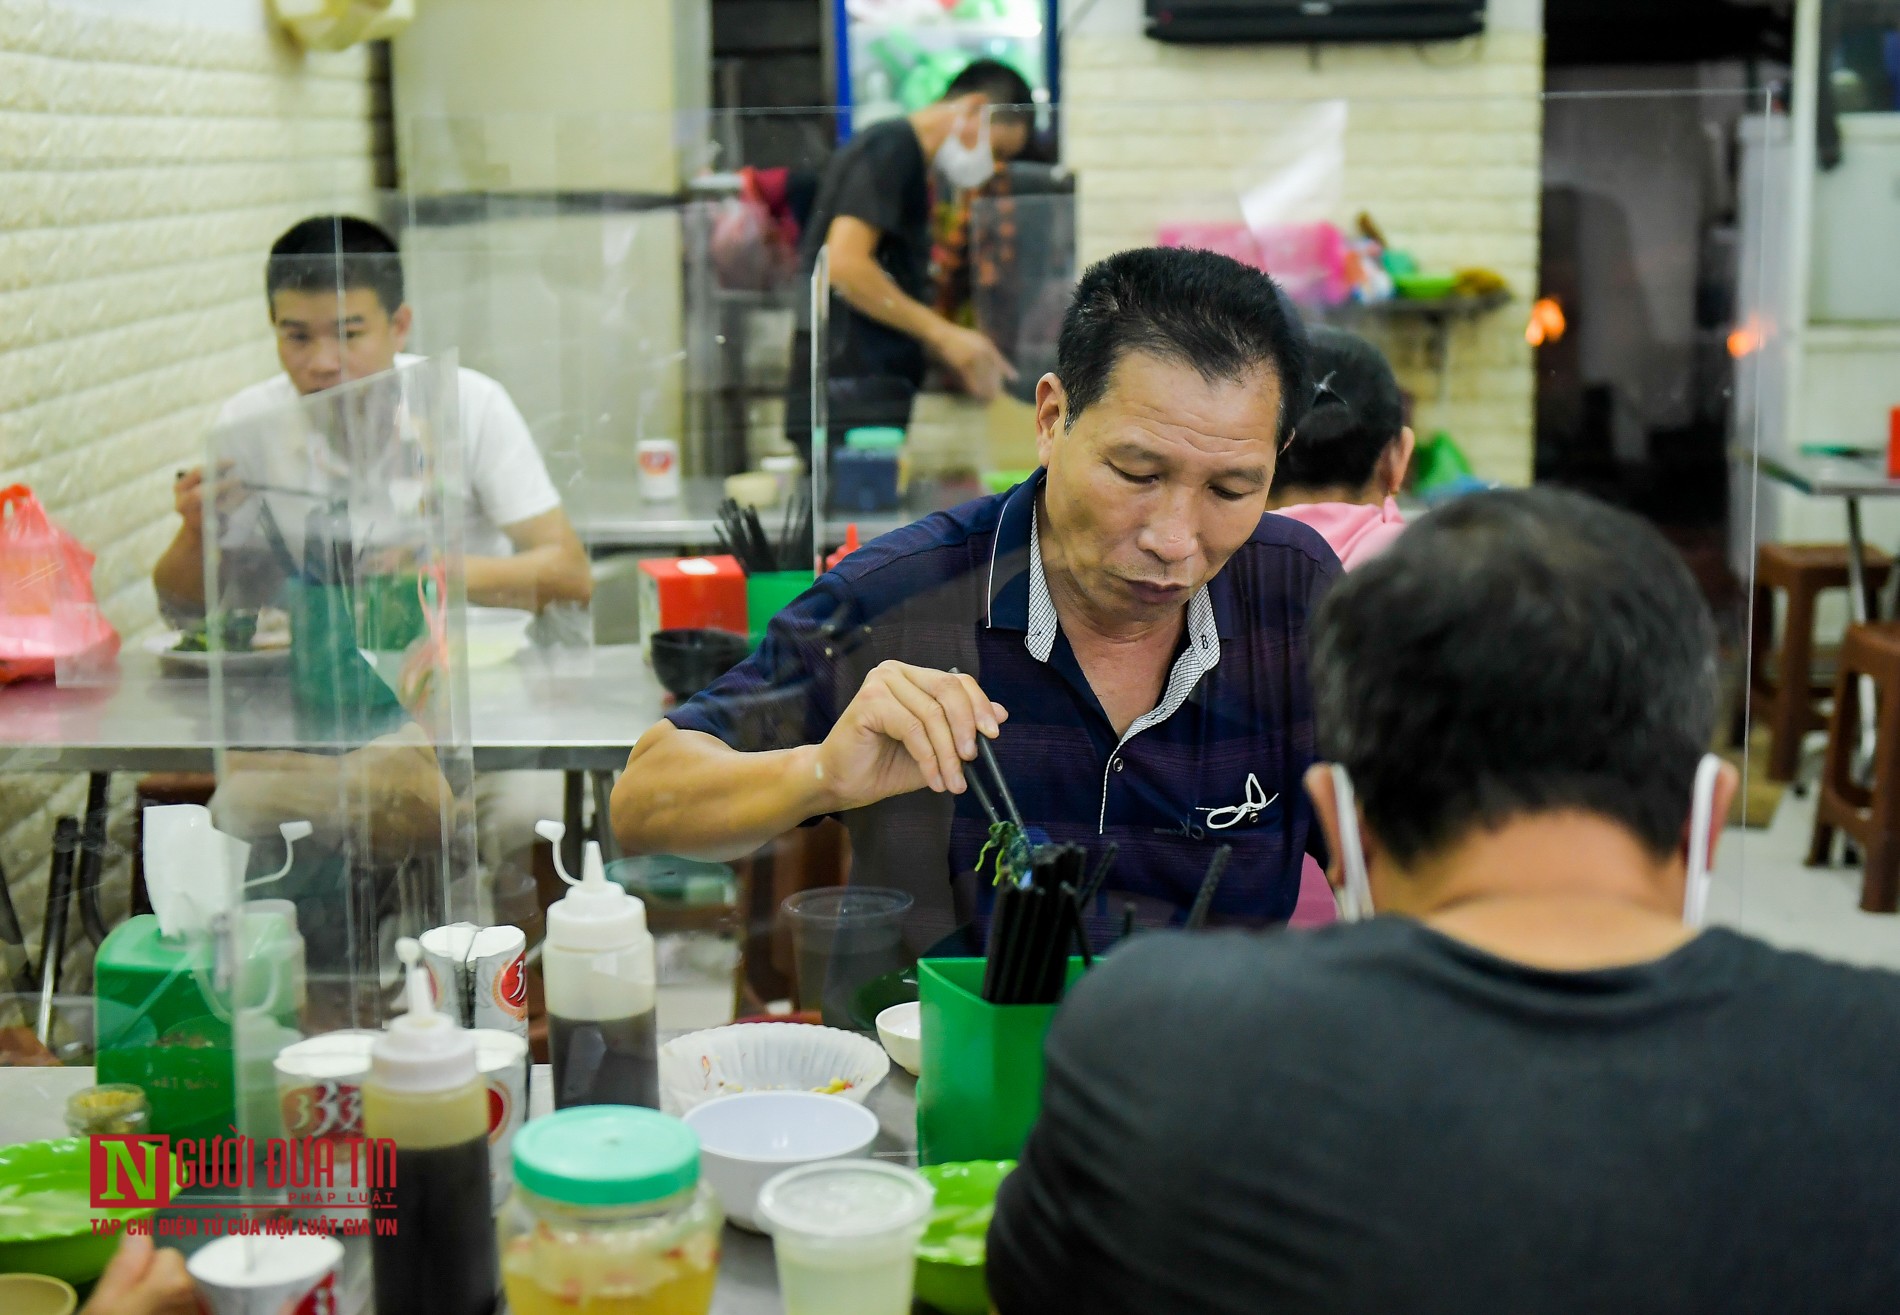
[
  {"x": 335, "y": 292},
  {"x": 520, "y": 550}
]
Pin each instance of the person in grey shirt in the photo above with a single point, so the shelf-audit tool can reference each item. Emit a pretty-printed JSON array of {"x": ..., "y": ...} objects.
[{"x": 1530, "y": 1083}]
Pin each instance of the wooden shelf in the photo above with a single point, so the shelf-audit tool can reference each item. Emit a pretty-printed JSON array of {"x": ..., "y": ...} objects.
[{"x": 1437, "y": 314}]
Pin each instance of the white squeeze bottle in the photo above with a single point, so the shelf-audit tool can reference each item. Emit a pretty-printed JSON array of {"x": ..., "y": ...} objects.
[
  {"x": 425, "y": 1094},
  {"x": 597, "y": 965}
]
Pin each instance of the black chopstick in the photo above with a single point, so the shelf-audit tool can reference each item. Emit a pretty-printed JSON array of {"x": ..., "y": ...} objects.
[
  {"x": 1002, "y": 785},
  {"x": 1086, "y": 896},
  {"x": 982, "y": 796},
  {"x": 1080, "y": 931},
  {"x": 1204, "y": 898},
  {"x": 993, "y": 949}
]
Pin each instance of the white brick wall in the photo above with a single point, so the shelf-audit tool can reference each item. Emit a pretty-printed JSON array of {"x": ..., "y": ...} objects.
[
  {"x": 1443, "y": 144},
  {"x": 145, "y": 168}
]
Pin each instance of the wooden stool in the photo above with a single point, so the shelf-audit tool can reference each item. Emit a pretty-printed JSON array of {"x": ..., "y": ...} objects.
[
  {"x": 1784, "y": 692},
  {"x": 155, "y": 789},
  {"x": 1871, "y": 817}
]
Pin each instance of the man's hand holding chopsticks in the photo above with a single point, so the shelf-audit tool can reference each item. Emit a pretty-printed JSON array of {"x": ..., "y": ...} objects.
[{"x": 908, "y": 728}]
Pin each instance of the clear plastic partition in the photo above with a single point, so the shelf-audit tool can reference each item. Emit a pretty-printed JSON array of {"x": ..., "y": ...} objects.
[
  {"x": 335, "y": 542},
  {"x": 1568, "y": 288},
  {"x": 632, "y": 282},
  {"x": 1813, "y": 524},
  {"x": 332, "y": 637}
]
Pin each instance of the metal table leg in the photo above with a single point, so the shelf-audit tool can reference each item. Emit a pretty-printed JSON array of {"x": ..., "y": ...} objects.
[
  {"x": 12, "y": 933},
  {"x": 603, "y": 783},
  {"x": 59, "y": 890},
  {"x": 573, "y": 788},
  {"x": 92, "y": 855},
  {"x": 1857, "y": 610}
]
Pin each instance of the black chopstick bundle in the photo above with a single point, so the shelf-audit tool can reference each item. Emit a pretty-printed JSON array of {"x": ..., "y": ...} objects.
[
  {"x": 794, "y": 544},
  {"x": 1033, "y": 924},
  {"x": 743, "y": 536}
]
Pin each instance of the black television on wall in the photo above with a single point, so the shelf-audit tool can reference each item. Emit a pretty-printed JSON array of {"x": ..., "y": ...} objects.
[{"x": 1299, "y": 21}]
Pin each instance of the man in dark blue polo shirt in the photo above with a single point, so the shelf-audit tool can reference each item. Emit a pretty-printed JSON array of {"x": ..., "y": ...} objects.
[{"x": 1128, "y": 628}]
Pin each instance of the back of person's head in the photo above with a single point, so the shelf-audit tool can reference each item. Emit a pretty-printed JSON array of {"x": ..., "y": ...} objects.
[
  {"x": 1355, "y": 415},
  {"x": 998, "y": 83},
  {"x": 1514, "y": 653},
  {"x": 325, "y": 252},
  {"x": 1224, "y": 319}
]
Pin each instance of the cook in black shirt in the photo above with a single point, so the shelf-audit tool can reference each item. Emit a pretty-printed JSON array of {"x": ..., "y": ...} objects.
[
  {"x": 1529, "y": 1084},
  {"x": 873, "y": 211}
]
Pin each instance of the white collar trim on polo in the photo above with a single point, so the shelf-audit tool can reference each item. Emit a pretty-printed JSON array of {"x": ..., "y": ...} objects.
[{"x": 1200, "y": 656}]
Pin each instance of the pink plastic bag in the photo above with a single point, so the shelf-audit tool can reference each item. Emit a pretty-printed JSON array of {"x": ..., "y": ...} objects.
[{"x": 48, "y": 614}]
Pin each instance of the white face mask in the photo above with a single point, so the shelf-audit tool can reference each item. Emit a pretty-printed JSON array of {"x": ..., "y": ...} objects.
[
  {"x": 967, "y": 166},
  {"x": 1355, "y": 900}
]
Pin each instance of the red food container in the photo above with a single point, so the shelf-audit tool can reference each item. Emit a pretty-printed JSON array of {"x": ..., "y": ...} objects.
[
  {"x": 702, "y": 593},
  {"x": 1893, "y": 443}
]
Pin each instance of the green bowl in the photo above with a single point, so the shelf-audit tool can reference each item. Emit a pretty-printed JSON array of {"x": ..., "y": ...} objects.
[
  {"x": 46, "y": 1213},
  {"x": 1002, "y": 481},
  {"x": 950, "y": 1254},
  {"x": 879, "y": 994}
]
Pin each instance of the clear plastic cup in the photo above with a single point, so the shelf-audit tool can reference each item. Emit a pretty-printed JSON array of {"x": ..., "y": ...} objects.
[
  {"x": 845, "y": 1235},
  {"x": 844, "y": 937}
]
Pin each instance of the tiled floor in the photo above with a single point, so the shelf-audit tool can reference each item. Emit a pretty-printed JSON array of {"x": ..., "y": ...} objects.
[{"x": 1763, "y": 887}]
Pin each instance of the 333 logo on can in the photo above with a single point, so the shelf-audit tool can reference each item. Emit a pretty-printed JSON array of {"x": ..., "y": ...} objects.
[
  {"x": 323, "y": 1109},
  {"x": 499, "y": 1112},
  {"x": 320, "y": 1300},
  {"x": 511, "y": 987}
]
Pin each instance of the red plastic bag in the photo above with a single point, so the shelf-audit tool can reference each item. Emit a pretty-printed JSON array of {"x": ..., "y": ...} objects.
[{"x": 48, "y": 614}]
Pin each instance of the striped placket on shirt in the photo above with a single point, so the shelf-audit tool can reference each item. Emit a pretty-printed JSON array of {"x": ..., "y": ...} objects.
[{"x": 1200, "y": 656}]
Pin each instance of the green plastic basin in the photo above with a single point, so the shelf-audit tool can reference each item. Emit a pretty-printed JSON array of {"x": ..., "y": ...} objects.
[
  {"x": 950, "y": 1254},
  {"x": 46, "y": 1213}
]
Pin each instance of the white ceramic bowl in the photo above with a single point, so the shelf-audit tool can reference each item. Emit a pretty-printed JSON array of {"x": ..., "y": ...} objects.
[
  {"x": 747, "y": 1139},
  {"x": 901, "y": 1029},
  {"x": 723, "y": 1061}
]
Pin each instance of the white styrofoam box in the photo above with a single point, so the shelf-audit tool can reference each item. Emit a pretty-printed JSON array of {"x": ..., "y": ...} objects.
[{"x": 1856, "y": 245}]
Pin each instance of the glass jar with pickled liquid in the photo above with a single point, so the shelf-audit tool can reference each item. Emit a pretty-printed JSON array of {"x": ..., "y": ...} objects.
[{"x": 609, "y": 1217}]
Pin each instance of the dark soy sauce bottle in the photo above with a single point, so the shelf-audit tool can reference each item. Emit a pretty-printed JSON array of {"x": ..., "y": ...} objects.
[
  {"x": 597, "y": 965},
  {"x": 425, "y": 1094}
]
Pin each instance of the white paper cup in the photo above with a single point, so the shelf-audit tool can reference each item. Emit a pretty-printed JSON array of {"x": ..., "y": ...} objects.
[
  {"x": 267, "y": 1275},
  {"x": 658, "y": 461},
  {"x": 479, "y": 975},
  {"x": 502, "y": 1058},
  {"x": 844, "y": 1235},
  {"x": 320, "y": 1084}
]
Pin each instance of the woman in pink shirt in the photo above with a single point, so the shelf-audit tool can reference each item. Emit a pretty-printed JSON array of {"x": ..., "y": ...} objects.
[
  {"x": 1338, "y": 474},
  {"x": 1348, "y": 456}
]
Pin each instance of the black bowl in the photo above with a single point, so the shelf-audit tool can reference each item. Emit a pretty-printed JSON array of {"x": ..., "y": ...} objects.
[{"x": 686, "y": 661}]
